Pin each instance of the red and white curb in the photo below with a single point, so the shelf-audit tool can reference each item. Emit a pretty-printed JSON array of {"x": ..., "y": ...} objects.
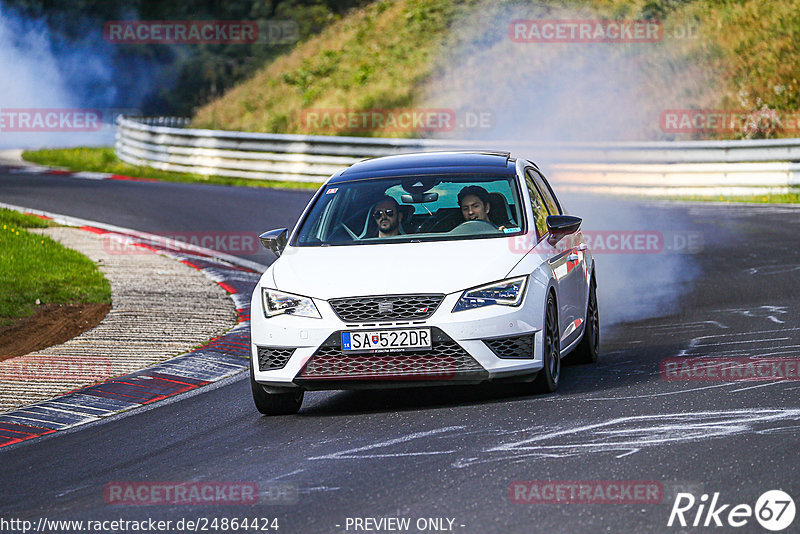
[
  {"x": 216, "y": 360},
  {"x": 86, "y": 175}
]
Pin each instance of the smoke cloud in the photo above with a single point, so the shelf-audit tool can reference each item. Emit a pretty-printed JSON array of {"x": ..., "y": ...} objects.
[
  {"x": 567, "y": 91},
  {"x": 42, "y": 70},
  {"x": 541, "y": 93}
]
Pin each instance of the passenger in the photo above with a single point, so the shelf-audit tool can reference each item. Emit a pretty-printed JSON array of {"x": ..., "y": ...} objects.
[{"x": 387, "y": 216}]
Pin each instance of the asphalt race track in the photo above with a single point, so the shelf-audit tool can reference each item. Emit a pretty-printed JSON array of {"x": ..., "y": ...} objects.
[{"x": 452, "y": 458}]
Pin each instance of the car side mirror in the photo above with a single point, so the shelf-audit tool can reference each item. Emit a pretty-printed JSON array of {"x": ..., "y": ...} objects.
[
  {"x": 561, "y": 225},
  {"x": 274, "y": 240}
]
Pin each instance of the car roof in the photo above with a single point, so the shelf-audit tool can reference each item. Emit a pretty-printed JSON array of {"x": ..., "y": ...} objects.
[{"x": 422, "y": 163}]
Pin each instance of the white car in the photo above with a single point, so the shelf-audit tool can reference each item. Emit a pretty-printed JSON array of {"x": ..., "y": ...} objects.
[{"x": 423, "y": 269}]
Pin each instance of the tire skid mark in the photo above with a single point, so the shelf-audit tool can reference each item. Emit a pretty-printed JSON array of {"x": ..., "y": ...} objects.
[
  {"x": 354, "y": 452},
  {"x": 619, "y": 437},
  {"x": 630, "y": 435},
  {"x": 713, "y": 340}
]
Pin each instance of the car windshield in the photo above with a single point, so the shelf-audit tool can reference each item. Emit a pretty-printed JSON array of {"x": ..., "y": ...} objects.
[{"x": 413, "y": 208}]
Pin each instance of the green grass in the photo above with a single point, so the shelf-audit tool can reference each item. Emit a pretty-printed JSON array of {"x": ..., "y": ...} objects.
[
  {"x": 741, "y": 55},
  {"x": 36, "y": 267},
  {"x": 374, "y": 58},
  {"x": 21, "y": 220},
  {"x": 393, "y": 54},
  {"x": 104, "y": 159},
  {"x": 792, "y": 197}
]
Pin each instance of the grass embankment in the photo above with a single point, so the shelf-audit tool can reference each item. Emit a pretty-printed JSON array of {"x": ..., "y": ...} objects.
[
  {"x": 792, "y": 197},
  {"x": 103, "y": 159},
  {"x": 738, "y": 56},
  {"x": 36, "y": 267},
  {"x": 374, "y": 58},
  {"x": 754, "y": 47}
]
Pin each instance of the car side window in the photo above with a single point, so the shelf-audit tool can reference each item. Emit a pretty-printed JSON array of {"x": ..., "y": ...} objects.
[
  {"x": 549, "y": 199},
  {"x": 540, "y": 212}
]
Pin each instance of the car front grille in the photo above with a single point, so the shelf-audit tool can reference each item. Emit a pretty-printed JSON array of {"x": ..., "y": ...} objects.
[
  {"x": 271, "y": 358},
  {"x": 385, "y": 307},
  {"x": 446, "y": 360},
  {"x": 512, "y": 347}
]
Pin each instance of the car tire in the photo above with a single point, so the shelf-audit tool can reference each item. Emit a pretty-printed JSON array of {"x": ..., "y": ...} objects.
[
  {"x": 275, "y": 403},
  {"x": 589, "y": 346},
  {"x": 547, "y": 379}
]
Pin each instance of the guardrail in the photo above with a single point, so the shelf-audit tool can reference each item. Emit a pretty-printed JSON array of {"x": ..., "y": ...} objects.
[{"x": 164, "y": 143}]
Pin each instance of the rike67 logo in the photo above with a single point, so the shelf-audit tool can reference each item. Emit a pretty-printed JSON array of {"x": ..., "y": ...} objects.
[{"x": 774, "y": 510}]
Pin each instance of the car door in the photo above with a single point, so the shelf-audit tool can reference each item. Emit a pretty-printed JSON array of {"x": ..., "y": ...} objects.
[
  {"x": 566, "y": 262},
  {"x": 580, "y": 267}
]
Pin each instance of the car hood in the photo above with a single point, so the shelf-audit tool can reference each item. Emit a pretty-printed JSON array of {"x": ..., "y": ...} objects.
[{"x": 357, "y": 270}]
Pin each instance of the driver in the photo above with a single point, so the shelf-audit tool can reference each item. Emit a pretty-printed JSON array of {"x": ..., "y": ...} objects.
[
  {"x": 474, "y": 203},
  {"x": 475, "y": 206},
  {"x": 387, "y": 216}
]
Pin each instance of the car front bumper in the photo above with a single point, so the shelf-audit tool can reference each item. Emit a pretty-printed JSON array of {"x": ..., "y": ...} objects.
[{"x": 469, "y": 346}]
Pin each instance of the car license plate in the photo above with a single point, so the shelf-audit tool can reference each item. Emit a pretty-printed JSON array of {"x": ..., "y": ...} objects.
[{"x": 386, "y": 340}]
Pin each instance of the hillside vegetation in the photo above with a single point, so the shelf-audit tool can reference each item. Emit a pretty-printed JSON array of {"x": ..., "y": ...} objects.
[
  {"x": 398, "y": 54},
  {"x": 374, "y": 58}
]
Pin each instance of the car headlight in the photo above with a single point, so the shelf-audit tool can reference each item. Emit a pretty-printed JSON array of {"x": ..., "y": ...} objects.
[
  {"x": 507, "y": 292},
  {"x": 278, "y": 302}
]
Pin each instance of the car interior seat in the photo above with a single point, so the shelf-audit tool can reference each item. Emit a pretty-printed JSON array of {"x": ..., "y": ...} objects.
[{"x": 499, "y": 211}]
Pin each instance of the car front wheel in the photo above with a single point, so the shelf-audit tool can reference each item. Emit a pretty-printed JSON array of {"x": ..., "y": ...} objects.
[
  {"x": 547, "y": 379},
  {"x": 275, "y": 403}
]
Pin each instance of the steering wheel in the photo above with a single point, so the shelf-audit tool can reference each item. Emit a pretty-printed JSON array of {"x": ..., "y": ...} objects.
[{"x": 476, "y": 226}]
